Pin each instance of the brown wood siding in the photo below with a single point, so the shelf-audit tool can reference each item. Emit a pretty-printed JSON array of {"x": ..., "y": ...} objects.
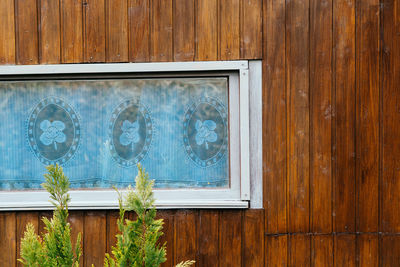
[{"x": 331, "y": 106}]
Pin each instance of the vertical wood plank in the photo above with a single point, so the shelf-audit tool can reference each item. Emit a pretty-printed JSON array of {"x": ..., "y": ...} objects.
[
  {"x": 117, "y": 31},
  {"x": 26, "y": 32},
  {"x": 95, "y": 31},
  {"x": 367, "y": 110},
  {"x": 230, "y": 238},
  {"x": 139, "y": 30},
  {"x": 112, "y": 230},
  {"x": 43, "y": 214},
  {"x": 344, "y": 154},
  {"x": 345, "y": 250},
  {"x": 389, "y": 251},
  {"x": 76, "y": 219},
  {"x": 276, "y": 250},
  {"x": 229, "y": 30},
  {"x": 253, "y": 235},
  {"x": 8, "y": 240},
  {"x": 7, "y": 32},
  {"x": 300, "y": 250},
  {"x": 49, "y": 32},
  {"x": 322, "y": 250},
  {"x": 368, "y": 252},
  {"x": 23, "y": 218},
  {"x": 207, "y": 235},
  {"x": 161, "y": 41},
  {"x": 185, "y": 235},
  {"x": 169, "y": 235},
  {"x": 71, "y": 31},
  {"x": 321, "y": 114},
  {"x": 251, "y": 29},
  {"x": 184, "y": 37},
  {"x": 207, "y": 30},
  {"x": 274, "y": 117},
  {"x": 390, "y": 98},
  {"x": 298, "y": 123},
  {"x": 94, "y": 240}
]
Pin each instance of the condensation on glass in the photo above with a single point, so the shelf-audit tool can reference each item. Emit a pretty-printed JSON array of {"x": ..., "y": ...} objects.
[{"x": 98, "y": 130}]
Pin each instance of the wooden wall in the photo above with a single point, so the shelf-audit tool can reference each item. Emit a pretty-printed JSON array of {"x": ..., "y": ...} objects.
[{"x": 331, "y": 105}]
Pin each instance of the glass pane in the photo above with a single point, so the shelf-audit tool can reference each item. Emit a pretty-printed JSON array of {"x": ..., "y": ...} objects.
[{"x": 98, "y": 130}]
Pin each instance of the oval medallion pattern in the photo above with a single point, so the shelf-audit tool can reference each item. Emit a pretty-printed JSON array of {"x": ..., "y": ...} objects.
[
  {"x": 205, "y": 134},
  {"x": 53, "y": 131},
  {"x": 131, "y": 131}
]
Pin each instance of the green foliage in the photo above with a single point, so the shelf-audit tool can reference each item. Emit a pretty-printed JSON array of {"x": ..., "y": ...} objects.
[
  {"x": 54, "y": 247},
  {"x": 137, "y": 245}
]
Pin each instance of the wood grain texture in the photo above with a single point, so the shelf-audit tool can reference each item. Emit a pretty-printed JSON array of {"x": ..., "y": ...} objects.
[
  {"x": 139, "y": 30},
  {"x": 276, "y": 250},
  {"x": 112, "y": 230},
  {"x": 253, "y": 238},
  {"x": 274, "y": 118},
  {"x": 8, "y": 239},
  {"x": 344, "y": 112},
  {"x": 49, "y": 32},
  {"x": 94, "y": 238},
  {"x": 251, "y": 29},
  {"x": 322, "y": 250},
  {"x": 169, "y": 235},
  {"x": 185, "y": 235},
  {"x": 26, "y": 32},
  {"x": 321, "y": 115},
  {"x": 7, "y": 32},
  {"x": 390, "y": 117},
  {"x": 229, "y": 30},
  {"x": 230, "y": 238},
  {"x": 23, "y": 218},
  {"x": 183, "y": 30},
  {"x": 77, "y": 220},
  {"x": 206, "y": 29},
  {"x": 368, "y": 250},
  {"x": 389, "y": 251},
  {"x": 367, "y": 111},
  {"x": 71, "y": 31},
  {"x": 94, "y": 31},
  {"x": 298, "y": 112},
  {"x": 117, "y": 31},
  {"x": 299, "y": 250},
  {"x": 207, "y": 238},
  {"x": 161, "y": 31},
  {"x": 345, "y": 250}
]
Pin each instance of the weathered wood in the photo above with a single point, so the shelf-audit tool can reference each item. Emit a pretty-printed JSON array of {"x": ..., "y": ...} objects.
[
  {"x": 344, "y": 112},
  {"x": 207, "y": 236},
  {"x": 49, "y": 32},
  {"x": 230, "y": 238},
  {"x": 117, "y": 31},
  {"x": 251, "y": 29},
  {"x": 276, "y": 250},
  {"x": 26, "y": 28},
  {"x": 367, "y": 111},
  {"x": 322, "y": 250},
  {"x": 94, "y": 31},
  {"x": 183, "y": 29},
  {"x": 345, "y": 250},
  {"x": 139, "y": 30},
  {"x": 94, "y": 238},
  {"x": 161, "y": 39},
  {"x": 299, "y": 250},
  {"x": 206, "y": 29},
  {"x": 112, "y": 230},
  {"x": 7, "y": 32},
  {"x": 185, "y": 235},
  {"x": 253, "y": 238},
  {"x": 23, "y": 218},
  {"x": 169, "y": 235},
  {"x": 71, "y": 31},
  {"x": 8, "y": 239},
  {"x": 76, "y": 220},
  {"x": 298, "y": 112},
  {"x": 321, "y": 115},
  {"x": 274, "y": 118},
  {"x": 229, "y": 30},
  {"x": 389, "y": 251},
  {"x": 367, "y": 250}
]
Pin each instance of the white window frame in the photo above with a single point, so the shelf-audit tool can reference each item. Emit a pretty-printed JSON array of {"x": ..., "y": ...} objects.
[{"x": 245, "y": 147}]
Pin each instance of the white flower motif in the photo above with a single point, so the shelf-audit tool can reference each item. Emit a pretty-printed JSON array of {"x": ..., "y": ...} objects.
[
  {"x": 130, "y": 133},
  {"x": 205, "y": 132},
  {"x": 52, "y": 133}
]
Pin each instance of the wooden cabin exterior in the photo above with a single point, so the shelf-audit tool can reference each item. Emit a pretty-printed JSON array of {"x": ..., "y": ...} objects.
[{"x": 331, "y": 109}]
